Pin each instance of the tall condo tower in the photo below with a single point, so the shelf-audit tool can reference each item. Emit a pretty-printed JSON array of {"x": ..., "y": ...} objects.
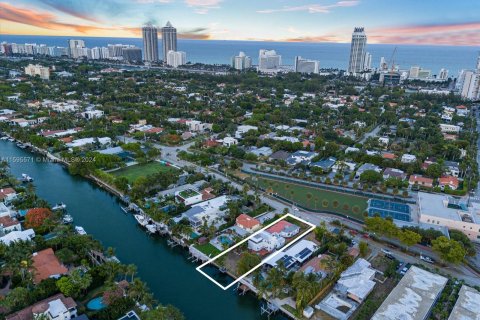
[
  {"x": 357, "y": 51},
  {"x": 150, "y": 42},
  {"x": 169, "y": 40}
]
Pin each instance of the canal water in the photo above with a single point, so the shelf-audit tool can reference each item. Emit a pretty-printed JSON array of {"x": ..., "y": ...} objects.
[{"x": 171, "y": 277}]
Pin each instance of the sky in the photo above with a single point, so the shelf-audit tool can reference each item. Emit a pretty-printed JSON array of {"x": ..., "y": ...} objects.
[{"x": 432, "y": 22}]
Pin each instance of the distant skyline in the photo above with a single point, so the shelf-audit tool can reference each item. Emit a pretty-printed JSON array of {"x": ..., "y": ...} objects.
[{"x": 429, "y": 22}]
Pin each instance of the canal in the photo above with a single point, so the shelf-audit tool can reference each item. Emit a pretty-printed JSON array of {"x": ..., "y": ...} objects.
[{"x": 171, "y": 277}]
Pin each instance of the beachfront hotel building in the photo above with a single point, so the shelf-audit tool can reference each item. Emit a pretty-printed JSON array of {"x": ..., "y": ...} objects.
[
  {"x": 176, "y": 58},
  {"x": 269, "y": 61},
  {"x": 303, "y": 65},
  {"x": 357, "y": 51},
  {"x": 169, "y": 40},
  {"x": 38, "y": 70},
  {"x": 241, "y": 62},
  {"x": 150, "y": 43}
]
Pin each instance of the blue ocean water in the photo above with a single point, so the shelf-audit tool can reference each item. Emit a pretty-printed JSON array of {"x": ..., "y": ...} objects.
[{"x": 331, "y": 55}]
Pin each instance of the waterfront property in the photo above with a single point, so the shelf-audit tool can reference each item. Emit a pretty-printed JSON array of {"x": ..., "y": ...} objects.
[
  {"x": 317, "y": 199},
  {"x": 389, "y": 209},
  {"x": 413, "y": 297},
  {"x": 132, "y": 173}
]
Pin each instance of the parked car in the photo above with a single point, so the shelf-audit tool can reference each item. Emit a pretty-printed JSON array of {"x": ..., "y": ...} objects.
[
  {"x": 386, "y": 251},
  {"x": 426, "y": 259}
]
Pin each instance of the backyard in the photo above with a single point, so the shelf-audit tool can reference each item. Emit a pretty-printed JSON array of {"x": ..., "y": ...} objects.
[
  {"x": 132, "y": 173},
  {"x": 317, "y": 199}
]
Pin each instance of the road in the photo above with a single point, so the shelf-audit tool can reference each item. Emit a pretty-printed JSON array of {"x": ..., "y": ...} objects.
[
  {"x": 460, "y": 272},
  {"x": 371, "y": 134}
]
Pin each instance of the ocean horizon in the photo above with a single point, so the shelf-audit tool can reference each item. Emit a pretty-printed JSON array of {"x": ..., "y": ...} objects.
[{"x": 330, "y": 55}]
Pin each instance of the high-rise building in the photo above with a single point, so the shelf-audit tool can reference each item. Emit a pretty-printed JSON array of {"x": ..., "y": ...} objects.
[
  {"x": 306, "y": 66},
  {"x": 357, "y": 51},
  {"x": 169, "y": 39},
  {"x": 367, "y": 61},
  {"x": 469, "y": 82},
  {"x": 242, "y": 61},
  {"x": 269, "y": 60},
  {"x": 176, "y": 58},
  {"x": 132, "y": 53},
  {"x": 38, "y": 70},
  {"x": 75, "y": 48},
  {"x": 150, "y": 43},
  {"x": 383, "y": 64},
  {"x": 418, "y": 73},
  {"x": 443, "y": 74}
]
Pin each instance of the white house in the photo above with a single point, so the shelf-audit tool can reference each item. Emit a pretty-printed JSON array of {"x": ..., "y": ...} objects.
[
  {"x": 229, "y": 141},
  {"x": 265, "y": 241},
  {"x": 85, "y": 141},
  {"x": 284, "y": 229},
  {"x": 241, "y": 130},
  {"x": 384, "y": 141},
  {"x": 408, "y": 158},
  {"x": 188, "y": 197},
  {"x": 93, "y": 114},
  {"x": 11, "y": 237},
  {"x": 357, "y": 281},
  {"x": 449, "y": 128}
]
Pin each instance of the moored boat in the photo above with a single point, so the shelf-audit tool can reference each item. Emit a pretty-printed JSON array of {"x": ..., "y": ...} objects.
[
  {"x": 67, "y": 219},
  {"x": 59, "y": 206},
  {"x": 26, "y": 178},
  {"x": 80, "y": 230}
]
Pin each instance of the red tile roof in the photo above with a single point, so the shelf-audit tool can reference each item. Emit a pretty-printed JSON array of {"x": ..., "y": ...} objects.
[
  {"x": 5, "y": 192},
  {"x": 46, "y": 264},
  {"x": 449, "y": 180},
  {"x": 246, "y": 221},
  {"x": 279, "y": 226}
]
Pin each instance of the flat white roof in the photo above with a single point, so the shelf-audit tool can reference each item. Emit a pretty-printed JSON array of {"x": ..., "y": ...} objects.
[
  {"x": 467, "y": 306},
  {"x": 413, "y": 297},
  {"x": 433, "y": 205}
]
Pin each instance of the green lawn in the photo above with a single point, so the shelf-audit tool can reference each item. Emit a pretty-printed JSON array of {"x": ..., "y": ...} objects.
[
  {"x": 314, "y": 198},
  {"x": 208, "y": 249},
  {"x": 132, "y": 173}
]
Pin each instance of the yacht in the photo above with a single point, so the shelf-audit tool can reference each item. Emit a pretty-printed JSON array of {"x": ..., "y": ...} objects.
[
  {"x": 80, "y": 230},
  {"x": 59, "y": 206},
  {"x": 67, "y": 219},
  {"x": 141, "y": 219},
  {"x": 26, "y": 178}
]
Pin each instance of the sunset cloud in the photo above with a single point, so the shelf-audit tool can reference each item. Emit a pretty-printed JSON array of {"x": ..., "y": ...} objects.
[
  {"x": 312, "y": 8},
  {"x": 462, "y": 34},
  {"x": 203, "y": 6}
]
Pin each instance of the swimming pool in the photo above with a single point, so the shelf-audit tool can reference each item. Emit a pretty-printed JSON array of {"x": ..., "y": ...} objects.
[{"x": 96, "y": 304}]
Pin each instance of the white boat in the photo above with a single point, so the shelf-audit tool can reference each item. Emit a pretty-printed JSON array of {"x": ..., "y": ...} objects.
[
  {"x": 67, "y": 219},
  {"x": 21, "y": 145},
  {"x": 151, "y": 228},
  {"x": 11, "y": 139},
  {"x": 80, "y": 230},
  {"x": 4, "y": 138},
  {"x": 141, "y": 219},
  {"x": 26, "y": 178},
  {"x": 59, "y": 206}
]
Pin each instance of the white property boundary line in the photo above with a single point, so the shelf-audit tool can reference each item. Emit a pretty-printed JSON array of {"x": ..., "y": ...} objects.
[{"x": 312, "y": 227}]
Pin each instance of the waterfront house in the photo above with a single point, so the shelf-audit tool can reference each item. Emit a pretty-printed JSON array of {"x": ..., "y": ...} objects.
[
  {"x": 265, "y": 241},
  {"x": 210, "y": 212},
  {"x": 57, "y": 307},
  {"x": 7, "y": 194},
  {"x": 77, "y": 143},
  {"x": 46, "y": 265},
  {"x": 9, "y": 224},
  {"x": 4, "y": 210},
  {"x": 188, "y": 197},
  {"x": 247, "y": 223},
  {"x": 14, "y": 236},
  {"x": 284, "y": 229},
  {"x": 295, "y": 255}
]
